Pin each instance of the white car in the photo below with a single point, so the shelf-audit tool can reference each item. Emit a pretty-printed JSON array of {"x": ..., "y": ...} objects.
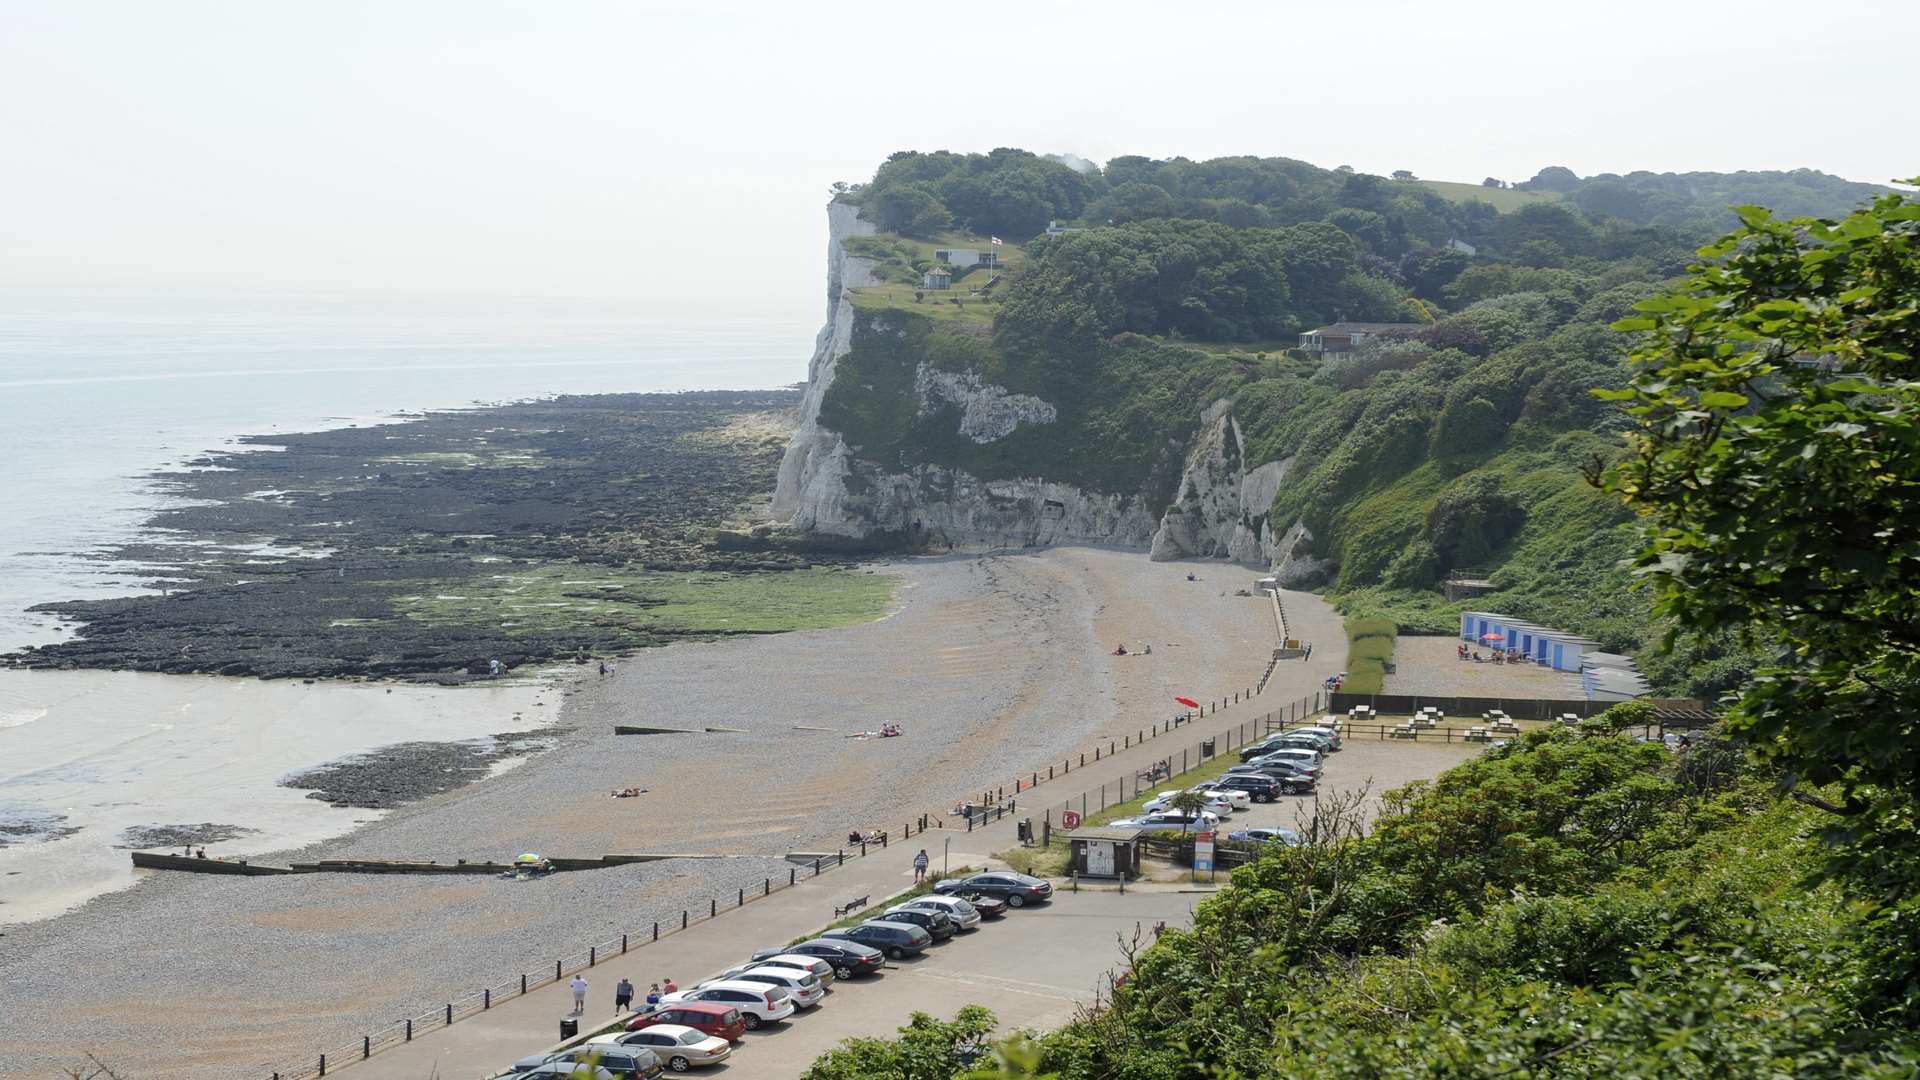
[
  {"x": 820, "y": 968},
  {"x": 759, "y": 1003},
  {"x": 1236, "y": 800},
  {"x": 801, "y": 985},
  {"x": 1309, "y": 759},
  {"x": 1332, "y": 735},
  {"x": 1168, "y": 819},
  {"x": 1217, "y": 803},
  {"x": 964, "y": 915}
]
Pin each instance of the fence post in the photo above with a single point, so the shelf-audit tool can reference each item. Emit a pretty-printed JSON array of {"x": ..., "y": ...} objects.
[
  {"x": 366, "y": 1047},
  {"x": 713, "y": 907},
  {"x": 1083, "y": 758},
  {"x": 523, "y": 975},
  {"x": 743, "y": 896},
  {"x": 656, "y": 929},
  {"x": 556, "y": 969},
  {"x": 323, "y": 1064},
  {"x": 816, "y": 868},
  {"x": 486, "y": 999},
  {"x": 593, "y": 955},
  {"x": 409, "y": 1029},
  {"x": 623, "y": 944},
  {"x": 449, "y": 1014},
  {"x": 793, "y": 875},
  {"x": 766, "y": 887}
]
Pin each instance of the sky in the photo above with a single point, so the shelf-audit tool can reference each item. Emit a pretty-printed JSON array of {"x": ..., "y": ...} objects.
[{"x": 677, "y": 156}]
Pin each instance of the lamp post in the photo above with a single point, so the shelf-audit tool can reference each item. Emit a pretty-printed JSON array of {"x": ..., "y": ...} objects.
[{"x": 945, "y": 845}]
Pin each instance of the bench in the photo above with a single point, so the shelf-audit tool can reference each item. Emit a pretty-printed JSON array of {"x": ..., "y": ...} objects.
[
  {"x": 856, "y": 904},
  {"x": 1405, "y": 733}
]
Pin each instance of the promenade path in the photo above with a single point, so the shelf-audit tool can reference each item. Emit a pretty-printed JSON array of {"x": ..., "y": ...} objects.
[{"x": 486, "y": 1043}]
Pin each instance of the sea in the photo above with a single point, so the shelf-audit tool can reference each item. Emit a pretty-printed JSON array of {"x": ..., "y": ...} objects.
[{"x": 100, "y": 389}]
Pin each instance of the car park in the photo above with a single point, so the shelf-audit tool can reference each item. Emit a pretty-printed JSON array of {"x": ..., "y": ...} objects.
[
  {"x": 964, "y": 915},
  {"x": 801, "y": 985},
  {"x": 1018, "y": 890},
  {"x": 716, "y": 1018},
  {"x": 620, "y": 1062},
  {"x": 1258, "y": 786},
  {"x": 898, "y": 940},
  {"x": 936, "y": 923},
  {"x": 1236, "y": 800},
  {"x": 821, "y": 969},
  {"x": 849, "y": 958},
  {"x": 759, "y": 1003},
  {"x": 1267, "y": 836},
  {"x": 569, "y": 1070},
  {"x": 677, "y": 1046}
]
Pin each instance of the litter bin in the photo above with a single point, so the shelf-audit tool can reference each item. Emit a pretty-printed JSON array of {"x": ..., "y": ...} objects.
[
  {"x": 1024, "y": 829},
  {"x": 1206, "y": 748},
  {"x": 569, "y": 1027}
]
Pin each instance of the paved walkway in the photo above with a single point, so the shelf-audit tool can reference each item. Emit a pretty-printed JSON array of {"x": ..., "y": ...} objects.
[{"x": 486, "y": 1043}]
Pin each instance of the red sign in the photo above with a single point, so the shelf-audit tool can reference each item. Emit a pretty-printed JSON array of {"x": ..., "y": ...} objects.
[{"x": 1070, "y": 819}]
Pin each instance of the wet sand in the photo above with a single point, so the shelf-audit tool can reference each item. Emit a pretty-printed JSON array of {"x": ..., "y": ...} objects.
[{"x": 991, "y": 665}]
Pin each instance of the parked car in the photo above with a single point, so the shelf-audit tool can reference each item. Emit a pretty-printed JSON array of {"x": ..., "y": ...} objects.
[
  {"x": 1267, "y": 836},
  {"x": 1238, "y": 800},
  {"x": 1169, "y": 819},
  {"x": 1218, "y": 805},
  {"x": 935, "y": 923},
  {"x": 989, "y": 907},
  {"x": 1018, "y": 890},
  {"x": 678, "y": 1046},
  {"x": 759, "y": 1003},
  {"x": 716, "y": 1018},
  {"x": 898, "y": 940},
  {"x": 621, "y": 1062},
  {"x": 1292, "y": 779},
  {"x": 1308, "y": 760},
  {"x": 565, "y": 1070},
  {"x": 1332, "y": 734},
  {"x": 821, "y": 969},
  {"x": 1258, "y": 786},
  {"x": 1306, "y": 740},
  {"x": 849, "y": 958},
  {"x": 1258, "y": 749},
  {"x": 801, "y": 985},
  {"x": 961, "y": 910}
]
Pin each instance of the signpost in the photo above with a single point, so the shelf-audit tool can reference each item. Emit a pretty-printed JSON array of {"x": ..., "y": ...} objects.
[{"x": 1202, "y": 853}]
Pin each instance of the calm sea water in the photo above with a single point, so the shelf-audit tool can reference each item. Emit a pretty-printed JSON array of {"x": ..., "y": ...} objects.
[{"x": 97, "y": 390}]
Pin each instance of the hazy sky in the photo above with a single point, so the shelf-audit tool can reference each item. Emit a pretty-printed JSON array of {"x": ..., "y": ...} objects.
[{"x": 677, "y": 155}]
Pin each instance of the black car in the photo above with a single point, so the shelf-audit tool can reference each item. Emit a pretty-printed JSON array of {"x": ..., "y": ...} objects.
[
  {"x": 1292, "y": 780},
  {"x": 897, "y": 940},
  {"x": 1018, "y": 890},
  {"x": 1258, "y": 786},
  {"x": 936, "y": 923},
  {"x": 849, "y": 958},
  {"x": 989, "y": 907}
]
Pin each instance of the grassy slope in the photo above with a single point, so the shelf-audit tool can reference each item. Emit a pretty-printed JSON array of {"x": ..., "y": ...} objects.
[{"x": 1501, "y": 199}]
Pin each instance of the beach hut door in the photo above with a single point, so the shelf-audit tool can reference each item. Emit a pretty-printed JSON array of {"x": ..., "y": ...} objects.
[{"x": 1099, "y": 858}]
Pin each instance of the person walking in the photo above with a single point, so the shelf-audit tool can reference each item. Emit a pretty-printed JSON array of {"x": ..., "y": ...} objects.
[
  {"x": 623, "y": 996},
  {"x": 920, "y": 865},
  {"x": 579, "y": 985}
]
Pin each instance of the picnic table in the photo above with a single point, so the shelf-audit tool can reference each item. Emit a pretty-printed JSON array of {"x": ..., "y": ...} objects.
[{"x": 1478, "y": 734}]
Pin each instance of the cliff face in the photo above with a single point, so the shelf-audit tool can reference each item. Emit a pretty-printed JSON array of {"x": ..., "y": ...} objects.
[{"x": 826, "y": 487}]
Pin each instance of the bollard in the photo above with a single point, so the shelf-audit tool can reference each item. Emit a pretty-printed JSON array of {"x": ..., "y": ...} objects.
[
  {"x": 1049, "y": 772},
  {"x": 816, "y": 868},
  {"x": 1096, "y": 754},
  {"x": 863, "y": 848},
  {"x": 743, "y": 896},
  {"x": 556, "y": 969},
  {"x": 323, "y": 1064},
  {"x": 409, "y": 1030},
  {"x": 1036, "y": 780},
  {"x": 713, "y": 907},
  {"x": 843, "y": 859},
  {"x": 883, "y": 841},
  {"x": 683, "y": 918},
  {"x": 656, "y": 929},
  {"x": 593, "y": 955},
  {"x": 766, "y": 886},
  {"x": 449, "y": 1014},
  {"x": 523, "y": 977},
  {"x": 366, "y": 1047},
  {"x": 792, "y": 875},
  {"x": 1083, "y": 758},
  {"x": 486, "y": 999},
  {"x": 1125, "y": 741},
  {"x": 623, "y": 944}
]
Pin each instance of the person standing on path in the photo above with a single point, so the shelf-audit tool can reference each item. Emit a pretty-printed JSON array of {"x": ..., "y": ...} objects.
[
  {"x": 579, "y": 985},
  {"x": 653, "y": 994},
  {"x": 623, "y": 996},
  {"x": 670, "y": 987},
  {"x": 920, "y": 865}
]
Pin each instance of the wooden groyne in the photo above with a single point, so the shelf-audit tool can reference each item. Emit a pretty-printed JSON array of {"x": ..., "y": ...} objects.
[{"x": 155, "y": 861}]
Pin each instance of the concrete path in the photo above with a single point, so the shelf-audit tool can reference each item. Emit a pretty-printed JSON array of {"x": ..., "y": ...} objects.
[{"x": 488, "y": 1042}]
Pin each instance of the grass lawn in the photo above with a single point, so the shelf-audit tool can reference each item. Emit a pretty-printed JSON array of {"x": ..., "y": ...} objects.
[
  {"x": 639, "y": 600},
  {"x": 1501, "y": 199},
  {"x": 937, "y": 304}
]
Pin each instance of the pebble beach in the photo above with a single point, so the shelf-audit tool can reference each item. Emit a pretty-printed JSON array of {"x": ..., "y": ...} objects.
[{"x": 990, "y": 664}]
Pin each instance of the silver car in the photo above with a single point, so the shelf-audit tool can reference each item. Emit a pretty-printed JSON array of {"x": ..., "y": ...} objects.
[{"x": 964, "y": 915}]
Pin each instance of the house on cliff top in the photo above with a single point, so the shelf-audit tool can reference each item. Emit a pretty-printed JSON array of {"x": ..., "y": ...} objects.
[
  {"x": 937, "y": 277},
  {"x": 1346, "y": 336}
]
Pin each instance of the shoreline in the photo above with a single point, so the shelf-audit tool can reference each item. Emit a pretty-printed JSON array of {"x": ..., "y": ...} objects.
[{"x": 990, "y": 663}]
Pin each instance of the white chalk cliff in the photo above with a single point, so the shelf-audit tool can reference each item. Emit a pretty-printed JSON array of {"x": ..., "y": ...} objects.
[{"x": 824, "y": 487}]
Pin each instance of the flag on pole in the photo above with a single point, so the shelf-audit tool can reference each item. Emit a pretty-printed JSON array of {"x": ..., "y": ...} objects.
[{"x": 995, "y": 240}]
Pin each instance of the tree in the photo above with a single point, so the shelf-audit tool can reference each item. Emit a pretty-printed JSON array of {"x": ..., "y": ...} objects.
[
  {"x": 1553, "y": 178},
  {"x": 1189, "y": 802},
  {"x": 927, "y": 1049},
  {"x": 1404, "y": 174},
  {"x": 1493, "y": 183},
  {"x": 1776, "y": 467}
]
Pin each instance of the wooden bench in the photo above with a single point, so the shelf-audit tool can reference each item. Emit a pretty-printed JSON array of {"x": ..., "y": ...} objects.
[{"x": 856, "y": 904}]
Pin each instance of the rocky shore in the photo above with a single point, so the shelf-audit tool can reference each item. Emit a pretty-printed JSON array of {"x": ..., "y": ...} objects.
[{"x": 427, "y": 549}]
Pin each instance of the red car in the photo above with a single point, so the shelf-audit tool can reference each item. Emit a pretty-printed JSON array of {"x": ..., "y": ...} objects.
[{"x": 720, "y": 1021}]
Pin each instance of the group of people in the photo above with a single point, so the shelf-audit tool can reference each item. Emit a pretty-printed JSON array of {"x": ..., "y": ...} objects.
[
  {"x": 622, "y": 993},
  {"x": 630, "y": 793},
  {"x": 1496, "y": 656},
  {"x": 856, "y": 837}
]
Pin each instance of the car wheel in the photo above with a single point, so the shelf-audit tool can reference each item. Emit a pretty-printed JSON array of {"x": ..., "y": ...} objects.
[
  {"x": 678, "y": 1063},
  {"x": 843, "y": 972},
  {"x": 1016, "y": 900},
  {"x": 753, "y": 1022},
  {"x": 894, "y": 952}
]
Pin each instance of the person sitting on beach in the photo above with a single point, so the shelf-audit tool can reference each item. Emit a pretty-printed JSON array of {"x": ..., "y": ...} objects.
[
  {"x": 853, "y": 837},
  {"x": 653, "y": 994},
  {"x": 201, "y": 854},
  {"x": 1148, "y": 650},
  {"x": 1120, "y": 650}
]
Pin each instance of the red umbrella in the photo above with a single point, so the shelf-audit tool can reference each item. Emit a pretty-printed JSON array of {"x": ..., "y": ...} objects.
[
  {"x": 1188, "y": 702},
  {"x": 1491, "y": 636}
]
